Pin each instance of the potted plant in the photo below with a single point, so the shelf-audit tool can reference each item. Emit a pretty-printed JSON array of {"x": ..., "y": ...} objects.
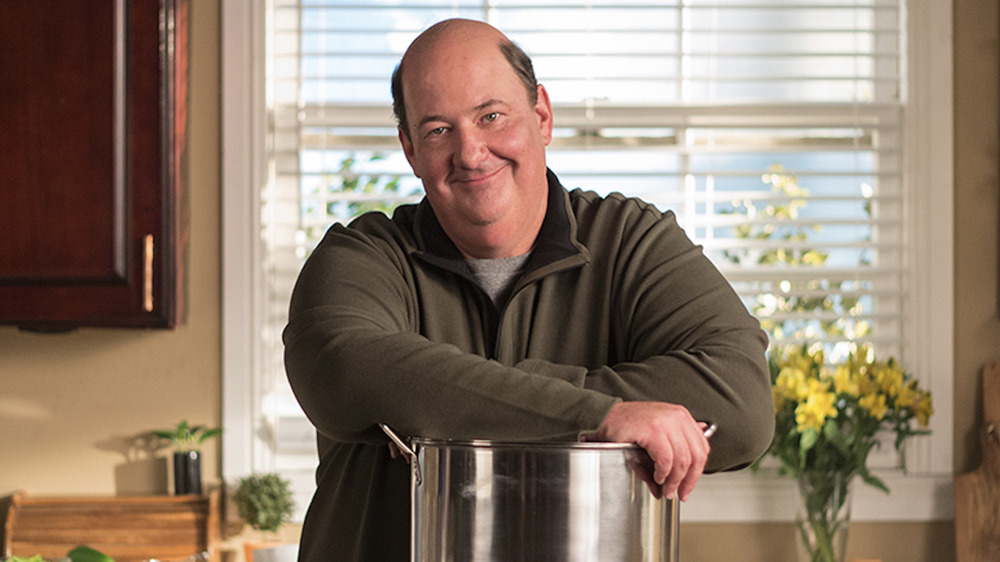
[
  {"x": 265, "y": 502},
  {"x": 186, "y": 440}
]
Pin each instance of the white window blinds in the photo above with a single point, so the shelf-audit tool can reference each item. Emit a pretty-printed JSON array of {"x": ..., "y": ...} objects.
[{"x": 772, "y": 129}]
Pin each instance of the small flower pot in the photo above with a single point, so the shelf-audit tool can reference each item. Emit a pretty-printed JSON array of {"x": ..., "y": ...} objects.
[{"x": 187, "y": 473}]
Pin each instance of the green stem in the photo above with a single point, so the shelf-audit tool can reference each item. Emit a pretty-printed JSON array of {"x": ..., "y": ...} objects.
[{"x": 824, "y": 497}]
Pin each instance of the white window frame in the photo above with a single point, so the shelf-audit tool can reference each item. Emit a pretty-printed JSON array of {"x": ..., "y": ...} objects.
[{"x": 923, "y": 495}]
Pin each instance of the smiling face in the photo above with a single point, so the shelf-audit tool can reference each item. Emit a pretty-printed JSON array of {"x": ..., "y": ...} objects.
[{"x": 476, "y": 140}]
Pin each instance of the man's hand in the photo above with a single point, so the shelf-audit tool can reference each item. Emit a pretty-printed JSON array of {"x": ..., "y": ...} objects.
[{"x": 673, "y": 439}]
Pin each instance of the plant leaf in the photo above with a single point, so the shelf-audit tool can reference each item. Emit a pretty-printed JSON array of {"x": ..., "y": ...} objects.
[
  {"x": 872, "y": 480},
  {"x": 214, "y": 432},
  {"x": 809, "y": 438}
]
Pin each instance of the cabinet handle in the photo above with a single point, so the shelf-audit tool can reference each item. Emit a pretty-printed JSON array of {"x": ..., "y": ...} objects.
[{"x": 147, "y": 277}]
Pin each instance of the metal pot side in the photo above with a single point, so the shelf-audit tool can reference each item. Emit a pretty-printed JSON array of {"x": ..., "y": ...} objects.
[{"x": 552, "y": 502}]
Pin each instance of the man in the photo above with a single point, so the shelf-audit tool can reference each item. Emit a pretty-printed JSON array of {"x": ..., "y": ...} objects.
[{"x": 505, "y": 307}]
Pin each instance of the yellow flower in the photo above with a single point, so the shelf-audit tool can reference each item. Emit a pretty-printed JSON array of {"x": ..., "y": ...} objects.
[
  {"x": 865, "y": 379},
  {"x": 890, "y": 379},
  {"x": 875, "y": 404},
  {"x": 923, "y": 409},
  {"x": 862, "y": 394},
  {"x": 844, "y": 381},
  {"x": 907, "y": 397},
  {"x": 818, "y": 406},
  {"x": 811, "y": 359},
  {"x": 791, "y": 383}
]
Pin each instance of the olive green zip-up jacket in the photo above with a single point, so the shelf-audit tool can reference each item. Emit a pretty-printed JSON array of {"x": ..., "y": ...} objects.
[{"x": 388, "y": 326}]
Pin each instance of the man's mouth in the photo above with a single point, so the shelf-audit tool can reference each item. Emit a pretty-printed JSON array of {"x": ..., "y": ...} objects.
[{"x": 475, "y": 177}]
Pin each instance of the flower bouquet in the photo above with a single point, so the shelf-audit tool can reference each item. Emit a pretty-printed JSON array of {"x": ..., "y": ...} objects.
[{"x": 827, "y": 420}]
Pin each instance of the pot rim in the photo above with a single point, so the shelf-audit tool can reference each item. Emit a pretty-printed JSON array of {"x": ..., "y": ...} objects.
[{"x": 531, "y": 445}]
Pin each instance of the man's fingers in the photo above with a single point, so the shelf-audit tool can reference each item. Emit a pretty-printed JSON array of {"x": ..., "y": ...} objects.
[
  {"x": 697, "y": 467},
  {"x": 679, "y": 471},
  {"x": 678, "y": 460},
  {"x": 687, "y": 485},
  {"x": 395, "y": 452},
  {"x": 676, "y": 443},
  {"x": 663, "y": 460},
  {"x": 645, "y": 473}
]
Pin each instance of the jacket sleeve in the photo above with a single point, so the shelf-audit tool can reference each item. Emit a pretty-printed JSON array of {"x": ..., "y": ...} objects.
[
  {"x": 686, "y": 338},
  {"x": 354, "y": 358}
]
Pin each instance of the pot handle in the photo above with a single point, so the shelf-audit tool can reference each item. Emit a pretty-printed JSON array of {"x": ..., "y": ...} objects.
[
  {"x": 406, "y": 449},
  {"x": 710, "y": 430}
]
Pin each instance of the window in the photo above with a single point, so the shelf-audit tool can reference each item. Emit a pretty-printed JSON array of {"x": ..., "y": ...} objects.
[{"x": 790, "y": 139}]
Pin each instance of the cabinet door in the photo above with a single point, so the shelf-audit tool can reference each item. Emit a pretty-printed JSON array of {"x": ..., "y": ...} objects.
[{"x": 92, "y": 108}]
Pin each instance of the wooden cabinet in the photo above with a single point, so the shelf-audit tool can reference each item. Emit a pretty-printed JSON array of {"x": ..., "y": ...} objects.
[{"x": 93, "y": 110}]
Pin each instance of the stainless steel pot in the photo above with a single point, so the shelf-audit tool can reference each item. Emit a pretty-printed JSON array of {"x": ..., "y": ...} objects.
[{"x": 552, "y": 502}]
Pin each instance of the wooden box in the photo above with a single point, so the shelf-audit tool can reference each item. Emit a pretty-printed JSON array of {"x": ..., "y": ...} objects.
[{"x": 128, "y": 529}]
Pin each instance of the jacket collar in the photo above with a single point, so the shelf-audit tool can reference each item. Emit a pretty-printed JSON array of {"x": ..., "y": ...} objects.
[{"x": 555, "y": 248}]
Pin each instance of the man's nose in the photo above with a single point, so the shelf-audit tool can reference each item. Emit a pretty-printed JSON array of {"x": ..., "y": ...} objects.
[{"x": 471, "y": 149}]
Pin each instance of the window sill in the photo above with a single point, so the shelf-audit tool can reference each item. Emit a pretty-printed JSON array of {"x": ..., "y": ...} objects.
[{"x": 746, "y": 497}]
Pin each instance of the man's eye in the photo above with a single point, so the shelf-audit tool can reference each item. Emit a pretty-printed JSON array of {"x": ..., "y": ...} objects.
[
  {"x": 491, "y": 117},
  {"x": 436, "y": 132}
]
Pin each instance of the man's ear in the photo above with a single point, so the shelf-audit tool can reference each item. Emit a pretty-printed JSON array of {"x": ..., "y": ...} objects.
[
  {"x": 407, "y": 144},
  {"x": 543, "y": 109}
]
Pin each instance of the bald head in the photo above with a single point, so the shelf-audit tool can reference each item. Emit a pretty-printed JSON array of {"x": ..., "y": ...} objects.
[{"x": 462, "y": 32}]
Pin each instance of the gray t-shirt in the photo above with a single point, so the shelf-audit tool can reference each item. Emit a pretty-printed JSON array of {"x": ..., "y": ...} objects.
[{"x": 497, "y": 276}]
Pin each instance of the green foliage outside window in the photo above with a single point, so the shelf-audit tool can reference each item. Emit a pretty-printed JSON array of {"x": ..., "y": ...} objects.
[
  {"x": 345, "y": 180},
  {"x": 816, "y": 299}
]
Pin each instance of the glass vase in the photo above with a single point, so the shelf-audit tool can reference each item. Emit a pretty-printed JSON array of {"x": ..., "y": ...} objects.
[{"x": 824, "y": 515}]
